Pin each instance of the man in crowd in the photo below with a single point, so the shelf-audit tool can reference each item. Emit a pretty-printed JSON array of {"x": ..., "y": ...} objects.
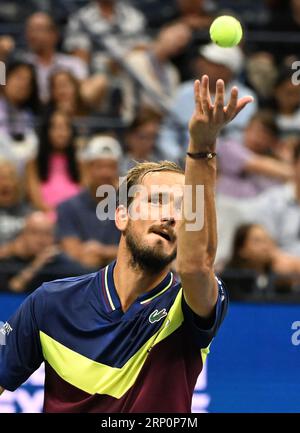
[{"x": 82, "y": 235}]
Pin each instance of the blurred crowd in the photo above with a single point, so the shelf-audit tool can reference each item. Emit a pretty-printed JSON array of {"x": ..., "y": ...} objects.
[{"x": 93, "y": 86}]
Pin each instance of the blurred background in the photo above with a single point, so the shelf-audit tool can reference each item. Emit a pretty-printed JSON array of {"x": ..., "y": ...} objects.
[{"x": 91, "y": 87}]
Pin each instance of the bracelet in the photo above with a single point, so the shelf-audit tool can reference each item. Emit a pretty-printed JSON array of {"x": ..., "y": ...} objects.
[{"x": 202, "y": 155}]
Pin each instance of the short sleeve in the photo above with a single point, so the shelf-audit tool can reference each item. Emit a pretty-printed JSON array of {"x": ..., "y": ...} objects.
[
  {"x": 197, "y": 328},
  {"x": 20, "y": 348},
  {"x": 76, "y": 37},
  {"x": 66, "y": 225}
]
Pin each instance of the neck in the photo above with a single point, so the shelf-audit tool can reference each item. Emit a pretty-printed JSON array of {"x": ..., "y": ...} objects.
[
  {"x": 107, "y": 9},
  {"x": 131, "y": 282}
]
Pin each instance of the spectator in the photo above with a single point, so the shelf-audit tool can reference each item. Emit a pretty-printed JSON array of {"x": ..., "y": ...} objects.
[
  {"x": 216, "y": 62},
  {"x": 254, "y": 250},
  {"x": 73, "y": 97},
  {"x": 250, "y": 165},
  {"x": 279, "y": 211},
  {"x": 98, "y": 20},
  {"x": 82, "y": 235},
  {"x": 194, "y": 13},
  {"x": 154, "y": 64},
  {"x": 35, "y": 258},
  {"x": 42, "y": 38},
  {"x": 13, "y": 209},
  {"x": 284, "y": 19},
  {"x": 54, "y": 175},
  {"x": 141, "y": 140},
  {"x": 287, "y": 103},
  {"x": 65, "y": 94},
  {"x": 7, "y": 45},
  {"x": 18, "y": 105}
]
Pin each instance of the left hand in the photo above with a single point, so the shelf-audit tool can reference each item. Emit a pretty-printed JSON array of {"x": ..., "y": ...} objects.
[{"x": 208, "y": 119}]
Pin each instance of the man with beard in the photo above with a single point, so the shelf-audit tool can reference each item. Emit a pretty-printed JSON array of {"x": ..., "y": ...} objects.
[{"x": 131, "y": 337}]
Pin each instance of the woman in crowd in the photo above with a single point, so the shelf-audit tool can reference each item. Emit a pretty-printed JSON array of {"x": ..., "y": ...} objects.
[
  {"x": 254, "y": 250},
  {"x": 19, "y": 104},
  {"x": 54, "y": 175},
  {"x": 76, "y": 98}
]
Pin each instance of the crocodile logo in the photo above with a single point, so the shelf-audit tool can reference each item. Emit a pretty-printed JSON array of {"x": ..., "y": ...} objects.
[{"x": 156, "y": 315}]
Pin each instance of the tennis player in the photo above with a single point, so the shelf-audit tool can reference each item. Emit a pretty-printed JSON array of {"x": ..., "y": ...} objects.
[{"x": 132, "y": 337}]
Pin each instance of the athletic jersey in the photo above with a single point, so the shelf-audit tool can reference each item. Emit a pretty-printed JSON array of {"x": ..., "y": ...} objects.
[{"x": 100, "y": 359}]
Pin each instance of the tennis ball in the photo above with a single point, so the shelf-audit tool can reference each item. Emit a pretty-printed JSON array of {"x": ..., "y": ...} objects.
[{"x": 226, "y": 31}]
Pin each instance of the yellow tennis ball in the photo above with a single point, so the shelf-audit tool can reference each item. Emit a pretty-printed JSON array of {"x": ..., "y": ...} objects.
[{"x": 226, "y": 31}]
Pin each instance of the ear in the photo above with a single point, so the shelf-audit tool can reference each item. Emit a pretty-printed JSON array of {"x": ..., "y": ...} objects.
[{"x": 121, "y": 218}]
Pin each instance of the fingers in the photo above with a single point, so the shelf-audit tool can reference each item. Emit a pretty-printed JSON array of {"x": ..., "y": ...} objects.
[
  {"x": 219, "y": 101},
  {"x": 242, "y": 104},
  {"x": 197, "y": 94},
  {"x": 205, "y": 95},
  {"x": 232, "y": 105}
]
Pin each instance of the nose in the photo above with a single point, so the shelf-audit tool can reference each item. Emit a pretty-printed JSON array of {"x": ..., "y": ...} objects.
[{"x": 169, "y": 221}]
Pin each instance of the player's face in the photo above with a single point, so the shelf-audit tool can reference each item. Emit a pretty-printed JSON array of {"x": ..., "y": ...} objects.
[{"x": 155, "y": 214}]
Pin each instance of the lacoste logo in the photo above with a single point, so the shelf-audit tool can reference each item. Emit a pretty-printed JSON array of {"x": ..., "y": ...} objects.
[{"x": 156, "y": 315}]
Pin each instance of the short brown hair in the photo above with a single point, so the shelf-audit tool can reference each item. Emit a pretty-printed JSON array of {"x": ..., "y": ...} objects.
[{"x": 136, "y": 174}]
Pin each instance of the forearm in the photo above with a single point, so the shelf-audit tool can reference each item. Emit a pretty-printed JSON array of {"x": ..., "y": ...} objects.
[
  {"x": 110, "y": 252},
  {"x": 94, "y": 89},
  {"x": 20, "y": 281},
  {"x": 197, "y": 248},
  {"x": 269, "y": 167}
]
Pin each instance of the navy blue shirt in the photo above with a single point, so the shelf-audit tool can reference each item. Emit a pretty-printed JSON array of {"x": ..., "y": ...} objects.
[
  {"x": 101, "y": 359},
  {"x": 77, "y": 218}
]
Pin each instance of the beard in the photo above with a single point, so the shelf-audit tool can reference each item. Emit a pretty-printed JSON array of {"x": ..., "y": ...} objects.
[{"x": 150, "y": 259}]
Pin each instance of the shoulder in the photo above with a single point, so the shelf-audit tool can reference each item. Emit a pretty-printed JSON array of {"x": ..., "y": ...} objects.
[
  {"x": 86, "y": 12},
  {"x": 72, "y": 202},
  {"x": 130, "y": 11},
  {"x": 60, "y": 293}
]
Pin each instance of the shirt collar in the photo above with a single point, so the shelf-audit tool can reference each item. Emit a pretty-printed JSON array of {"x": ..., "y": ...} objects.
[{"x": 111, "y": 294}]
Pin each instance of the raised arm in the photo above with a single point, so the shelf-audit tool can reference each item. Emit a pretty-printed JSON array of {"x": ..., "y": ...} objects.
[{"x": 197, "y": 248}]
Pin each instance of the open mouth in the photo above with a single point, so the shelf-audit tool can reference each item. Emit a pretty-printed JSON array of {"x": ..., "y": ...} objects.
[{"x": 163, "y": 235}]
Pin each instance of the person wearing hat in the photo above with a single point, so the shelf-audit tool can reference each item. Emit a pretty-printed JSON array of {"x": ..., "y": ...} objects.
[
  {"x": 216, "y": 62},
  {"x": 81, "y": 234}
]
